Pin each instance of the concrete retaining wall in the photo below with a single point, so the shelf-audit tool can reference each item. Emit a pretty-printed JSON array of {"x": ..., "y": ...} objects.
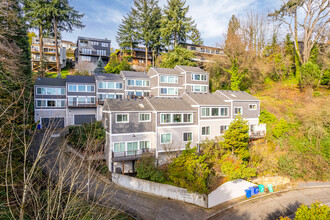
[{"x": 159, "y": 189}]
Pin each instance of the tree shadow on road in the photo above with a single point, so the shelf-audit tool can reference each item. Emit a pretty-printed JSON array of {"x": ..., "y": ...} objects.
[{"x": 286, "y": 211}]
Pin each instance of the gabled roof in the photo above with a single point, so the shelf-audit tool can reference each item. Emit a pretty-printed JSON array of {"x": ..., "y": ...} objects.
[
  {"x": 166, "y": 71},
  {"x": 133, "y": 74},
  {"x": 208, "y": 99},
  {"x": 237, "y": 95},
  {"x": 189, "y": 69},
  {"x": 170, "y": 104},
  {"x": 80, "y": 79},
  {"x": 108, "y": 76},
  {"x": 50, "y": 81},
  {"x": 125, "y": 105}
]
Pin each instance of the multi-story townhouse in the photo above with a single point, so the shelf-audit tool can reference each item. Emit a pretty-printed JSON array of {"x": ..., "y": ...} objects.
[
  {"x": 48, "y": 54},
  {"x": 89, "y": 50},
  {"x": 50, "y": 102},
  {"x": 137, "y": 84},
  {"x": 213, "y": 114},
  {"x": 81, "y": 99},
  {"x": 130, "y": 132},
  {"x": 195, "y": 79}
]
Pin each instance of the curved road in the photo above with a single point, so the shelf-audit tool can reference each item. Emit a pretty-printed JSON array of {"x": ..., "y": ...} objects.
[{"x": 74, "y": 174}]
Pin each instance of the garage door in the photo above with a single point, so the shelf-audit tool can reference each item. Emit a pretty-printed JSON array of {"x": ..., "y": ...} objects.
[
  {"x": 52, "y": 122},
  {"x": 82, "y": 119}
]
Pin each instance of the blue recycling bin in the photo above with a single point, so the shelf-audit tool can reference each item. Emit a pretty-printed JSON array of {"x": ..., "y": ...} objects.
[
  {"x": 256, "y": 190},
  {"x": 248, "y": 193},
  {"x": 252, "y": 190},
  {"x": 39, "y": 126}
]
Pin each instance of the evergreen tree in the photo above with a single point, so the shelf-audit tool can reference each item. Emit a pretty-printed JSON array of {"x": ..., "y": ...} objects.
[
  {"x": 64, "y": 18},
  {"x": 145, "y": 13},
  {"x": 195, "y": 37},
  {"x": 99, "y": 66},
  {"x": 127, "y": 36},
  {"x": 176, "y": 26},
  {"x": 237, "y": 138},
  {"x": 178, "y": 56}
]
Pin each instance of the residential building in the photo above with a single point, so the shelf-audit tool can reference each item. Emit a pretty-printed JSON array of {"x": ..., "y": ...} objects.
[
  {"x": 205, "y": 54},
  {"x": 137, "y": 57},
  {"x": 48, "y": 54},
  {"x": 137, "y": 84},
  {"x": 70, "y": 48},
  {"x": 89, "y": 50}
]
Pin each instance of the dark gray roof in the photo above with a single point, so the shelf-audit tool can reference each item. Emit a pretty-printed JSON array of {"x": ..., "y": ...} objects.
[
  {"x": 237, "y": 95},
  {"x": 94, "y": 39},
  {"x": 80, "y": 79},
  {"x": 50, "y": 81},
  {"x": 170, "y": 104},
  {"x": 124, "y": 105},
  {"x": 166, "y": 71},
  {"x": 133, "y": 74},
  {"x": 210, "y": 99},
  {"x": 190, "y": 69},
  {"x": 108, "y": 76}
]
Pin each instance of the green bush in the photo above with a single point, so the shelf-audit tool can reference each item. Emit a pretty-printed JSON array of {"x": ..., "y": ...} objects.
[
  {"x": 310, "y": 73},
  {"x": 317, "y": 211},
  {"x": 147, "y": 169},
  {"x": 280, "y": 129},
  {"x": 267, "y": 117}
]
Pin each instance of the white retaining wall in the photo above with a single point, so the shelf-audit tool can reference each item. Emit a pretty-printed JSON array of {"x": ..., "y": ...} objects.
[
  {"x": 228, "y": 191},
  {"x": 159, "y": 189}
]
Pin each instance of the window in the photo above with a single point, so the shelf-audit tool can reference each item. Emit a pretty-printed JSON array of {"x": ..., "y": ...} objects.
[
  {"x": 119, "y": 147},
  {"x": 83, "y": 43},
  {"x": 192, "y": 48},
  {"x": 102, "y": 85},
  {"x": 210, "y": 112},
  {"x": 81, "y": 88},
  {"x": 141, "y": 61},
  {"x": 146, "y": 83},
  {"x": 50, "y": 91},
  {"x": 169, "y": 79},
  {"x": 165, "y": 118},
  {"x": 224, "y": 112},
  {"x": 41, "y": 103},
  {"x": 187, "y": 118},
  {"x": 205, "y": 112},
  {"x": 198, "y": 77},
  {"x": 86, "y": 58},
  {"x": 146, "y": 94},
  {"x": 72, "y": 100},
  {"x": 132, "y": 147},
  {"x": 121, "y": 118},
  {"x": 177, "y": 118},
  {"x": 144, "y": 117},
  {"x": 90, "y": 100},
  {"x": 105, "y": 45},
  {"x": 138, "y": 82},
  {"x": 72, "y": 88},
  {"x": 90, "y": 88},
  {"x": 198, "y": 88},
  {"x": 215, "y": 111},
  {"x": 238, "y": 111},
  {"x": 187, "y": 136},
  {"x": 60, "y": 103},
  {"x": 144, "y": 145},
  {"x": 206, "y": 130},
  {"x": 101, "y": 52},
  {"x": 119, "y": 85},
  {"x": 166, "y": 138},
  {"x": 252, "y": 107},
  {"x": 86, "y": 51},
  {"x": 131, "y": 82},
  {"x": 81, "y": 100},
  {"x": 138, "y": 93},
  {"x": 51, "y": 103},
  {"x": 223, "y": 128},
  {"x": 169, "y": 91},
  {"x": 94, "y": 43}
]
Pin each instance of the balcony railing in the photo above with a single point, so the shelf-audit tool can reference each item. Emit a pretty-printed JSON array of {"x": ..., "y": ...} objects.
[
  {"x": 259, "y": 131},
  {"x": 131, "y": 155},
  {"x": 81, "y": 105}
]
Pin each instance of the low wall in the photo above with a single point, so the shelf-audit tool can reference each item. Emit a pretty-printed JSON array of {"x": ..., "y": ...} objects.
[
  {"x": 228, "y": 191},
  {"x": 159, "y": 189}
]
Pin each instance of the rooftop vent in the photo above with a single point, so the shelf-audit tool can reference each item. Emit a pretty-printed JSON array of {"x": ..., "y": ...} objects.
[
  {"x": 141, "y": 106},
  {"x": 233, "y": 95}
]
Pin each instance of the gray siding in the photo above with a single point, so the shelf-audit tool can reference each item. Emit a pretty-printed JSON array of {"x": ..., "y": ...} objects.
[
  {"x": 246, "y": 112},
  {"x": 195, "y": 122},
  {"x": 133, "y": 124}
]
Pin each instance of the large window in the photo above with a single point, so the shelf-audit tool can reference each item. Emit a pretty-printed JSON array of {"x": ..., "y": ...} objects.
[
  {"x": 101, "y": 52},
  {"x": 119, "y": 147},
  {"x": 206, "y": 130},
  {"x": 238, "y": 111},
  {"x": 138, "y": 83},
  {"x": 81, "y": 100},
  {"x": 105, "y": 45},
  {"x": 132, "y": 147},
  {"x": 198, "y": 77},
  {"x": 187, "y": 136},
  {"x": 144, "y": 117},
  {"x": 223, "y": 128},
  {"x": 224, "y": 112},
  {"x": 214, "y": 112},
  {"x": 176, "y": 118},
  {"x": 95, "y": 43},
  {"x": 110, "y": 85},
  {"x": 166, "y": 138},
  {"x": 144, "y": 145},
  {"x": 169, "y": 79},
  {"x": 49, "y": 103},
  {"x": 121, "y": 118},
  {"x": 198, "y": 88},
  {"x": 81, "y": 88},
  {"x": 86, "y": 51},
  {"x": 169, "y": 91},
  {"x": 103, "y": 96},
  {"x": 252, "y": 107},
  {"x": 50, "y": 91},
  {"x": 86, "y": 58}
]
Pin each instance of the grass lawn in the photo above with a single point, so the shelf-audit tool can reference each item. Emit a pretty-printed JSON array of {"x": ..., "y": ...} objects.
[{"x": 64, "y": 73}]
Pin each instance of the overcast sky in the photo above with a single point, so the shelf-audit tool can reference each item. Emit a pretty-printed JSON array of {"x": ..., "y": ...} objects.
[{"x": 102, "y": 17}]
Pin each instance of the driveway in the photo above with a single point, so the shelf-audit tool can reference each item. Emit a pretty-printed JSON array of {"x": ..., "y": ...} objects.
[{"x": 59, "y": 166}]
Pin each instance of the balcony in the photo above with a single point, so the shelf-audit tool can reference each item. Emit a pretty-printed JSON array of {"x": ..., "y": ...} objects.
[
  {"x": 131, "y": 155},
  {"x": 81, "y": 105},
  {"x": 258, "y": 131}
]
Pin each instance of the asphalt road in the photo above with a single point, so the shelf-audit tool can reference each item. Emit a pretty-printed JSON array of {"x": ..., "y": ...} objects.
[{"x": 75, "y": 176}]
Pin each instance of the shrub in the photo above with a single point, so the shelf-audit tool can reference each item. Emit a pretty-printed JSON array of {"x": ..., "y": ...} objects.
[
  {"x": 281, "y": 128},
  {"x": 147, "y": 169},
  {"x": 310, "y": 73},
  {"x": 316, "y": 211}
]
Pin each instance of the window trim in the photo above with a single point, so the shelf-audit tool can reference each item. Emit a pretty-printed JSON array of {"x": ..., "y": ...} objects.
[
  {"x": 182, "y": 117},
  {"x": 46, "y": 88},
  {"x": 201, "y": 74},
  {"x": 192, "y": 136},
  {"x": 166, "y": 142},
  {"x": 227, "y": 112},
  {"x": 46, "y": 102},
  {"x": 176, "y": 79},
  {"x": 225, "y": 129},
  {"x": 145, "y": 114},
  {"x": 252, "y": 108},
  {"x": 77, "y": 85},
  {"x": 241, "y": 110},
  {"x": 209, "y": 131},
  {"x": 176, "y": 91},
  {"x": 119, "y": 122}
]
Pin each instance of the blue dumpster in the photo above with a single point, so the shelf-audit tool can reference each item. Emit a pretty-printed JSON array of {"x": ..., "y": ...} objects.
[
  {"x": 248, "y": 193},
  {"x": 252, "y": 190},
  {"x": 256, "y": 190}
]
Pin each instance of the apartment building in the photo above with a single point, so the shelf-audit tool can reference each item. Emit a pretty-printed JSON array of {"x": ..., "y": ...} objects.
[
  {"x": 205, "y": 54},
  {"x": 89, "y": 50},
  {"x": 49, "y": 57},
  {"x": 137, "y": 84}
]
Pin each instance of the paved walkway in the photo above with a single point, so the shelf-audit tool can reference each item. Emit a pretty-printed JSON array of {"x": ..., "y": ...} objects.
[{"x": 60, "y": 166}]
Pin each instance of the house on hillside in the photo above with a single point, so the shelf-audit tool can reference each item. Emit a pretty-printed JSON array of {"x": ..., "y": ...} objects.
[
  {"x": 137, "y": 59},
  {"x": 204, "y": 54}
]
